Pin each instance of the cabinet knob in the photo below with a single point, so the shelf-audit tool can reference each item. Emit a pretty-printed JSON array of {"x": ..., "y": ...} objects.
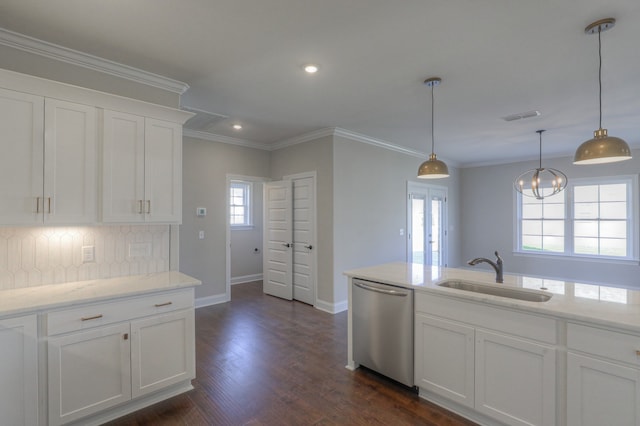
[{"x": 126, "y": 336}]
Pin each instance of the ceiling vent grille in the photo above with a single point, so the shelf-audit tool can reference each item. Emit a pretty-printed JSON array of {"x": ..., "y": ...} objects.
[
  {"x": 521, "y": 115},
  {"x": 203, "y": 121}
]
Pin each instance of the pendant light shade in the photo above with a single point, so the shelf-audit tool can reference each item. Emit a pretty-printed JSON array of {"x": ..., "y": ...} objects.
[
  {"x": 433, "y": 168},
  {"x": 602, "y": 148},
  {"x": 541, "y": 182}
]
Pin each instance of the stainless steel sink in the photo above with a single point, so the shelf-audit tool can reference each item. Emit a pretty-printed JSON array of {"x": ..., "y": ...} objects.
[{"x": 511, "y": 293}]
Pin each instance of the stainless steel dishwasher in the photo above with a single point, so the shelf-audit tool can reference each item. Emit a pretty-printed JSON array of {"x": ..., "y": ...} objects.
[{"x": 383, "y": 329}]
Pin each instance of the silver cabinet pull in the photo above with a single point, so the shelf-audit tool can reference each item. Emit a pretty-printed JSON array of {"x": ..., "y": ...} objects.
[
  {"x": 157, "y": 305},
  {"x": 49, "y": 202},
  {"x": 148, "y": 206},
  {"x": 37, "y": 204},
  {"x": 140, "y": 207},
  {"x": 91, "y": 318}
]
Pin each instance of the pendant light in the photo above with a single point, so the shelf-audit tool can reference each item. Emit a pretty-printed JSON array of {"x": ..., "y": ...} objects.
[
  {"x": 602, "y": 148},
  {"x": 433, "y": 168},
  {"x": 540, "y": 183}
]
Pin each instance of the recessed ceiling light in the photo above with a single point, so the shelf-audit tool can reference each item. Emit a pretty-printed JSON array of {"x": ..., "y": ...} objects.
[
  {"x": 237, "y": 126},
  {"x": 311, "y": 68}
]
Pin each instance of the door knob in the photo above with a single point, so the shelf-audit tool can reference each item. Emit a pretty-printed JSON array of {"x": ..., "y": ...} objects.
[
  {"x": 308, "y": 246},
  {"x": 286, "y": 244}
]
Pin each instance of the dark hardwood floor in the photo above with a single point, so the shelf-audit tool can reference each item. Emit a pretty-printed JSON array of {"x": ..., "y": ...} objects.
[{"x": 266, "y": 361}]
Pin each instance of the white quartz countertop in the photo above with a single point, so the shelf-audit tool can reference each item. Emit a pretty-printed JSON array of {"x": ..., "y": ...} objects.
[
  {"x": 33, "y": 299},
  {"x": 597, "y": 304}
]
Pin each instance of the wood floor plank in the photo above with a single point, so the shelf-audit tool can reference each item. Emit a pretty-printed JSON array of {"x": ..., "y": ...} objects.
[{"x": 261, "y": 360}]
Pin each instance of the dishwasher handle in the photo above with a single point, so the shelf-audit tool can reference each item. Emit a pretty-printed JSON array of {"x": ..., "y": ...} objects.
[{"x": 380, "y": 290}]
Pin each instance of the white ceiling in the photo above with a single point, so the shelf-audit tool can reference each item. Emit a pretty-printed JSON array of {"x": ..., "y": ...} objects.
[{"x": 243, "y": 59}]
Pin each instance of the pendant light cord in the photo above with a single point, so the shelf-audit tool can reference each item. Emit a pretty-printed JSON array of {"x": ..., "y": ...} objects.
[
  {"x": 600, "y": 73},
  {"x": 432, "y": 122}
]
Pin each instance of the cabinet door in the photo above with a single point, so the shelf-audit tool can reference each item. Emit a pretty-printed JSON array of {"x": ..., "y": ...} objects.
[
  {"x": 19, "y": 371},
  {"x": 21, "y": 159},
  {"x": 70, "y": 165},
  {"x": 444, "y": 354},
  {"x": 88, "y": 372},
  {"x": 601, "y": 393},
  {"x": 162, "y": 351},
  {"x": 122, "y": 167},
  {"x": 163, "y": 171},
  {"x": 515, "y": 380}
]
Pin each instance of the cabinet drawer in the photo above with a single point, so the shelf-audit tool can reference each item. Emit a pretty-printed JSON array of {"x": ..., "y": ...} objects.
[
  {"x": 507, "y": 321},
  {"x": 98, "y": 314},
  {"x": 605, "y": 343}
]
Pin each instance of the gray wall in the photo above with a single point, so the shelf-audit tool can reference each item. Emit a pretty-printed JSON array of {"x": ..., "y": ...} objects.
[
  {"x": 245, "y": 261},
  {"x": 488, "y": 222},
  {"x": 205, "y": 167},
  {"x": 315, "y": 156},
  {"x": 370, "y": 208}
]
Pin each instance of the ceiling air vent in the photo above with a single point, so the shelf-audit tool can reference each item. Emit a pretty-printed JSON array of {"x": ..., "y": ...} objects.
[
  {"x": 521, "y": 115},
  {"x": 203, "y": 121}
]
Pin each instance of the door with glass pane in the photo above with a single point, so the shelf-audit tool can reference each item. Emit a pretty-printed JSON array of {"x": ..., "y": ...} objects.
[{"x": 426, "y": 224}]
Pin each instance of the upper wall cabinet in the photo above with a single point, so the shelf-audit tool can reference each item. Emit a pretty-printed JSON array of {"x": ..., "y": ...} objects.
[
  {"x": 142, "y": 169},
  {"x": 48, "y": 167}
]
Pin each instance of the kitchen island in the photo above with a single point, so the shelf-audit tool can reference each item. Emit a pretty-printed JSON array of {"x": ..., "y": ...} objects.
[
  {"x": 571, "y": 360},
  {"x": 90, "y": 351}
]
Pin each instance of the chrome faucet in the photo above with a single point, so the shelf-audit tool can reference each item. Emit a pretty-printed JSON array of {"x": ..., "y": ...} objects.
[{"x": 497, "y": 265}]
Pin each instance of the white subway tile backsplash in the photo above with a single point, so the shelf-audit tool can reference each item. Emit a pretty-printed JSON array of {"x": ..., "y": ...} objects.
[{"x": 37, "y": 256}]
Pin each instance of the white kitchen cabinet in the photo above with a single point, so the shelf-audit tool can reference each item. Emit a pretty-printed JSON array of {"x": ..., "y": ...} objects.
[
  {"x": 142, "y": 169},
  {"x": 162, "y": 351},
  {"x": 499, "y": 362},
  {"x": 19, "y": 371},
  {"x": 444, "y": 358},
  {"x": 106, "y": 354},
  {"x": 48, "y": 172},
  {"x": 88, "y": 372},
  {"x": 515, "y": 379},
  {"x": 603, "y": 377}
]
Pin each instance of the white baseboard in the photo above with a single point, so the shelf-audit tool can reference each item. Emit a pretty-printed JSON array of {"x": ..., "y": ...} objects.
[
  {"x": 332, "y": 308},
  {"x": 246, "y": 279},
  {"x": 211, "y": 300}
]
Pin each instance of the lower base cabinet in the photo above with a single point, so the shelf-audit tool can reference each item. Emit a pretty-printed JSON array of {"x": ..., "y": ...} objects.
[
  {"x": 603, "y": 377},
  {"x": 476, "y": 364},
  {"x": 101, "y": 366},
  {"x": 19, "y": 371}
]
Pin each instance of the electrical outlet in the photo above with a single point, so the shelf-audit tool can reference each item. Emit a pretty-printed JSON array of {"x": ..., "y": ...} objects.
[
  {"x": 201, "y": 235},
  {"x": 88, "y": 254},
  {"x": 139, "y": 250}
]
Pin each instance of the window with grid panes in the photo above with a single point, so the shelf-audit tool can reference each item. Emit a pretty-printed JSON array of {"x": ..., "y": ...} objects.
[
  {"x": 590, "y": 218},
  {"x": 240, "y": 204}
]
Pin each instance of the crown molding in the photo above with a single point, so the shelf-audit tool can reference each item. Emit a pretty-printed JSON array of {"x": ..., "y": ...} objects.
[
  {"x": 348, "y": 134},
  {"x": 224, "y": 139},
  {"x": 85, "y": 60},
  {"x": 305, "y": 137}
]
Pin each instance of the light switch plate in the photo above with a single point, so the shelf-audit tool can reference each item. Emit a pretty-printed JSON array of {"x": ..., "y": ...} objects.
[
  {"x": 201, "y": 211},
  {"x": 88, "y": 254}
]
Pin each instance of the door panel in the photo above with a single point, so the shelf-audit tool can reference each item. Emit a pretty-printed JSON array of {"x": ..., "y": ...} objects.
[
  {"x": 426, "y": 224},
  {"x": 278, "y": 262},
  {"x": 304, "y": 239}
]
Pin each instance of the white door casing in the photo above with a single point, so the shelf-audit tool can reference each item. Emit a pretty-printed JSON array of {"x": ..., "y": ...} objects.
[
  {"x": 277, "y": 240},
  {"x": 304, "y": 239},
  {"x": 431, "y": 232}
]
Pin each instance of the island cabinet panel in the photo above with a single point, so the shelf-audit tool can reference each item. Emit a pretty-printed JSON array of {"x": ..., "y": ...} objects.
[
  {"x": 603, "y": 377},
  {"x": 19, "y": 371},
  {"x": 515, "y": 379},
  {"x": 444, "y": 358},
  {"x": 481, "y": 361}
]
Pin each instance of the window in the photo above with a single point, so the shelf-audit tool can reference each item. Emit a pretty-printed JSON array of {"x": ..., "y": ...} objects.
[
  {"x": 590, "y": 218},
  {"x": 240, "y": 204}
]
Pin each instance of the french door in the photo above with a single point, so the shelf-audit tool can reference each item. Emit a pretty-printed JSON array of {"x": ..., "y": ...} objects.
[{"x": 426, "y": 224}]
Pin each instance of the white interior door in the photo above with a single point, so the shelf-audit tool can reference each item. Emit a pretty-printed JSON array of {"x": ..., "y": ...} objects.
[
  {"x": 426, "y": 224},
  {"x": 277, "y": 241},
  {"x": 304, "y": 239}
]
